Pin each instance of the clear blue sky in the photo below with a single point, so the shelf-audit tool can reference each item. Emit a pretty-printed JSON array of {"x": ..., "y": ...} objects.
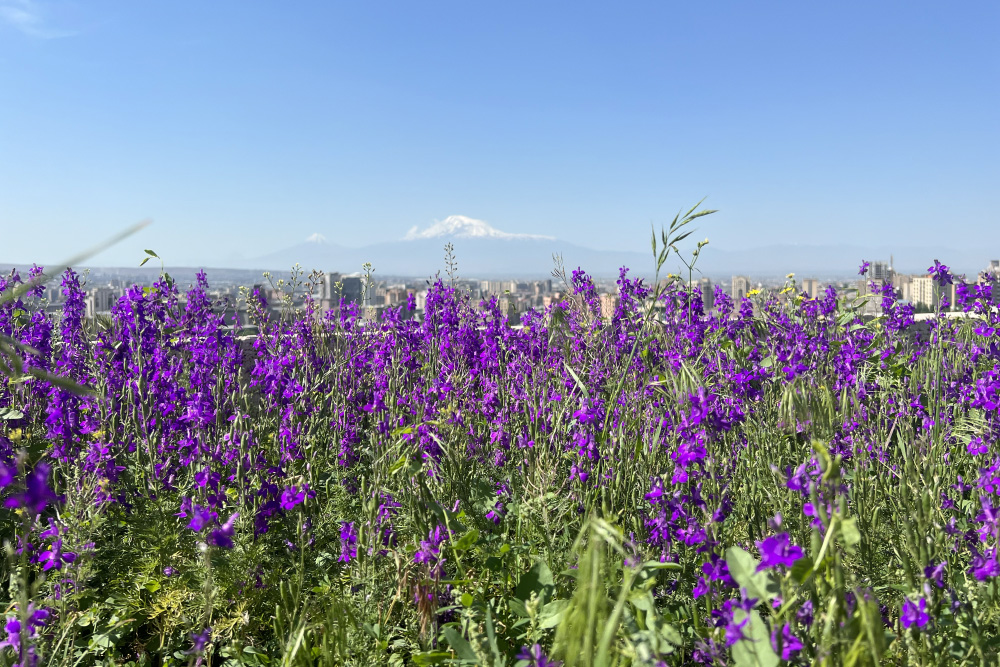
[{"x": 243, "y": 127}]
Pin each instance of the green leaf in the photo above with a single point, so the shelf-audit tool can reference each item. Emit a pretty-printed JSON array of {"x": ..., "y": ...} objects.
[
  {"x": 491, "y": 636},
  {"x": 7, "y": 340},
  {"x": 462, "y": 647},
  {"x": 467, "y": 599},
  {"x": 657, "y": 565},
  {"x": 801, "y": 569},
  {"x": 755, "y": 650},
  {"x": 494, "y": 564},
  {"x": 22, "y": 289},
  {"x": 466, "y": 541},
  {"x": 682, "y": 237},
  {"x": 152, "y": 254},
  {"x": 517, "y": 606},
  {"x": 642, "y": 600},
  {"x": 398, "y": 465},
  {"x": 62, "y": 382},
  {"x": 849, "y": 531},
  {"x": 671, "y": 634},
  {"x": 743, "y": 569},
  {"x": 551, "y": 614},
  {"x": 429, "y": 658},
  {"x": 536, "y": 580}
]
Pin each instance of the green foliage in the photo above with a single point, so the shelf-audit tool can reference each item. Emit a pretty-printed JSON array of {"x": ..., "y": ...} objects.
[{"x": 533, "y": 553}]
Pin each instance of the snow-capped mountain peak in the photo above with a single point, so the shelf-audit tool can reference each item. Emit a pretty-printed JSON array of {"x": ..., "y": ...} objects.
[
  {"x": 459, "y": 226},
  {"x": 316, "y": 238}
]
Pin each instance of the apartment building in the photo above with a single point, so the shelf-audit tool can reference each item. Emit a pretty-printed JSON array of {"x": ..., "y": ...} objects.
[
  {"x": 707, "y": 293},
  {"x": 100, "y": 300},
  {"x": 741, "y": 287},
  {"x": 811, "y": 287}
]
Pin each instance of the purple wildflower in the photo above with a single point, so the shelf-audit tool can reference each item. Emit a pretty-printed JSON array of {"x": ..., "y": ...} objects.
[
  {"x": 940, "y": 274},
  {"x": 935, "y": 573},
  {"x": 348, "y": 542},
  {"x": 429, "y": 552},
  {"x": 199, "y": 640},
  {"x": 536, "y": 657},
  {"x": 223, "y": 535},
  {"x": 18, "y": 640},
  {"x": 200, "y": 518},
  {"x": 804, "y": 614},
  {"x": 726, "y": 618},
  {"x": 293, "y": 496},
  {"x": 787, "y": 644},
  {"x": 7, "y": 474},
  {"x": 37, "y": 494},
  {"x": 914, "y": 613},
  {"x": 976, "y": 447},
  {"x": 984, "y": 566},
  {"x": 54, "y": 557},
  {"x": 777, "y": 550}
]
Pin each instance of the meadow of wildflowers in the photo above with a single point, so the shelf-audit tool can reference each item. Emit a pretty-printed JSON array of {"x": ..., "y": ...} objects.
[{"x": 773, "y": 482}]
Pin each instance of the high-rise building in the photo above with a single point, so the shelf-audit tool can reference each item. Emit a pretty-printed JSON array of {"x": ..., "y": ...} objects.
[
  {"x": 327, "y": 286},
  {"x": 880, "y": 271},
  {"x": 707, "y": 293},
  {"x": 351, "y": 289},
  {"x": 924, "y": 292},
  {"x": 741, "y": 287},
  {"x": 811, "y": 287},
  {"x": 609, "y": 304},
  {"x": 101, "y": 300},
  {"x": 903, "y": 286},
  {"x": 497, "y": 287}
]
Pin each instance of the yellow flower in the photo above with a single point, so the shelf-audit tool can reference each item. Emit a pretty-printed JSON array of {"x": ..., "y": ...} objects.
[{"x": 753, "y": 291}]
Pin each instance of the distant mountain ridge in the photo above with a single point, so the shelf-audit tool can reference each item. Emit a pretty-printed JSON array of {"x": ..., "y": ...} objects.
[{"x": 482, "y": 251}]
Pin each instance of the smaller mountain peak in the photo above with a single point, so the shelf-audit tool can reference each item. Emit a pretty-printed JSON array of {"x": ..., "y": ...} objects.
[{"x": 316, "y": 238}]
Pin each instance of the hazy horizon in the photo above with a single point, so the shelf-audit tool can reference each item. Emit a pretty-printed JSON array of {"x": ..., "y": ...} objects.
[{"x": 493, "y": 253}]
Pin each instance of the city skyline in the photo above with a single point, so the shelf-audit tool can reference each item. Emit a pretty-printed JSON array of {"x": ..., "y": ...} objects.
[{"x": 494, "y": 253}]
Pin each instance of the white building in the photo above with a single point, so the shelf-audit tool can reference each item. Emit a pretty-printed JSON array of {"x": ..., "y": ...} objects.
[
  {"x": 100, "y": 300},
  {"x": 741, "y": 287}
]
